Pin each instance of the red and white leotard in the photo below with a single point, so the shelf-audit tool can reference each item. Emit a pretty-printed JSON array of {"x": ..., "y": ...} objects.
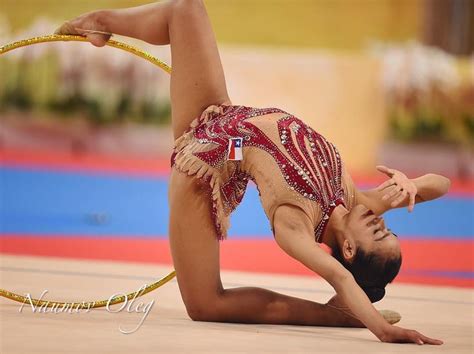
[{"x": 289, "y": 162}]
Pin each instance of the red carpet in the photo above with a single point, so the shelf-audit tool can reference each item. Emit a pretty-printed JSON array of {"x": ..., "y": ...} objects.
[{"x": 427, "y": 262}]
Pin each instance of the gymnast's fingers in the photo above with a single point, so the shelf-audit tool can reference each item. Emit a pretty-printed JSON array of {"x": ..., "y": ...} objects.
[
  {"x": 386, "y": 184},
  {"x": 400, "y": 198},
  {"x": 427, "y": 340},
  {"x": 385, "y": 170},
  {"x": 392, "y": 192},
  {"x": 418, "y": 338},
  {"x": 411, "y": 204}
]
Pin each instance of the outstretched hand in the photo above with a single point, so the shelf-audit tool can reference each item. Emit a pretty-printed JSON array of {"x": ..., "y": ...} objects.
[
  {"x": 397, "y": 188},
  {"x": 402, "y": 335}
]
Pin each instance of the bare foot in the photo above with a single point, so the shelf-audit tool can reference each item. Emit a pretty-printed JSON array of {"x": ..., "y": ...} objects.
[{"x": 88, "y": 25}]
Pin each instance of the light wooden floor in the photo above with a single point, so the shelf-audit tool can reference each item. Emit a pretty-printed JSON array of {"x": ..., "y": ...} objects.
[{"x": 445, "y": 313}]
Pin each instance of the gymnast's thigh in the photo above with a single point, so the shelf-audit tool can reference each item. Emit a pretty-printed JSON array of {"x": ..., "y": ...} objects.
[{"x": 193, "y": 241}]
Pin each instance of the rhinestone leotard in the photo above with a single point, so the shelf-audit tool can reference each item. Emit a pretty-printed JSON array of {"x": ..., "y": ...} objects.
[{"x": 289, "y": 162}]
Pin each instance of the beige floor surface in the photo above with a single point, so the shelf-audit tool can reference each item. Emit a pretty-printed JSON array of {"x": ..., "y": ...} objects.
[{"x": 445, "y": 313}]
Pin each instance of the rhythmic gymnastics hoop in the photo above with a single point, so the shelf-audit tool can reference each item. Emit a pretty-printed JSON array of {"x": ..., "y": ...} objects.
[{"x": 119, "y": 299}]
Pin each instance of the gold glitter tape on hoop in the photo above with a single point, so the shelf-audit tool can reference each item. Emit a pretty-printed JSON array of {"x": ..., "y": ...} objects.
[
  {"x": 119, "y": 299},
  {"x": 88, "y": 304},
  {"x": 71, "y": 38}
]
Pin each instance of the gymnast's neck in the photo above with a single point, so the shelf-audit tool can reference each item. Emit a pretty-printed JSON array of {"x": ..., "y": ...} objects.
[{"x": 334, "y": 233}]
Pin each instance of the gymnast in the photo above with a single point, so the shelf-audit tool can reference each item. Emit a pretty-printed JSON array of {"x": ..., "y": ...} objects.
[{"x": 305, "y": 190}]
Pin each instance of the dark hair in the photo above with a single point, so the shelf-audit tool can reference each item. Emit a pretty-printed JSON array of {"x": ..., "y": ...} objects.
[{"x": 370, "y": 271}]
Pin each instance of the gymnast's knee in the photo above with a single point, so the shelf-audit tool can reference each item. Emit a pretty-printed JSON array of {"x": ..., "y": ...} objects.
[
  {"x": 202, "y": 311},
  {"x": 205, "y": 310}
]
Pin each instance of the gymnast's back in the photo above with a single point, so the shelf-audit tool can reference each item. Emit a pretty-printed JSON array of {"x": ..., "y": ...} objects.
[{"x": 289, "y": 162}]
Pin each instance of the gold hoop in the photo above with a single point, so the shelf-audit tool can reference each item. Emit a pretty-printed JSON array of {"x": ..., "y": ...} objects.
[
  {"x": 72, "y": 38},
  {"x": 116, "y": 300}
]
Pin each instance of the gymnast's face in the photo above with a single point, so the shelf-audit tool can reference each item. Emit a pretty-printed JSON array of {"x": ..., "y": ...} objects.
[{"x": 369, "y": 232}]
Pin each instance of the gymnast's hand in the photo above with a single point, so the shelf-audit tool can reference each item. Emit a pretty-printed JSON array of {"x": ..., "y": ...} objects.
[
  {"x": 397, "y": 188},
  {"x": 402, "y": 335},
  {"x": 88, "y": 25}
]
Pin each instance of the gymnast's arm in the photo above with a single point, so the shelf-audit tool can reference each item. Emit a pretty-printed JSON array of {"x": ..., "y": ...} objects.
[
  {"x": 400, "y": 191},
  {"x": 295, "y": 235}
]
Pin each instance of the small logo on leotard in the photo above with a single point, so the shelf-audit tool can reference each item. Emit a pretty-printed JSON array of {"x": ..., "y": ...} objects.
[{"x": 235, "y": 149}]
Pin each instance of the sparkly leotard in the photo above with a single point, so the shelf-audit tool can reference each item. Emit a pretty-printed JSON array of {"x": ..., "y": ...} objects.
[{"x": 288, "y": 161}]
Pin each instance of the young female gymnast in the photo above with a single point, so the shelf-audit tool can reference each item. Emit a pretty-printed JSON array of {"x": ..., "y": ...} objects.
[{"x": 305, "y": 190}]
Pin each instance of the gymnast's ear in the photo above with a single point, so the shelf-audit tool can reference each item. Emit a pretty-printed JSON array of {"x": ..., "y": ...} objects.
[{"x": 348, "y": 250}]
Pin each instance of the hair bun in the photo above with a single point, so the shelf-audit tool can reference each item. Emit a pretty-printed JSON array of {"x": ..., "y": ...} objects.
[{"x": 374, "y": 293}]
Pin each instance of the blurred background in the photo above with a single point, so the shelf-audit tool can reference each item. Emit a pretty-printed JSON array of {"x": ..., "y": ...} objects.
[{"x": 85, "y": 138}]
